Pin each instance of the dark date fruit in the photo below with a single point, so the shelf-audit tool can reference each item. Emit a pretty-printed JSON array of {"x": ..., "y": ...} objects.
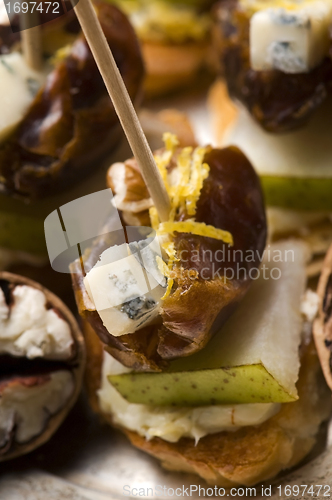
[
  {"x": 71, "y": 124},
  {"x": 278, "y": 101}
]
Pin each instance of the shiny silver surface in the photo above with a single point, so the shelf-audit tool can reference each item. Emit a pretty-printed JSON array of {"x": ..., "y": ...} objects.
[{"x": 87, "y": 460}]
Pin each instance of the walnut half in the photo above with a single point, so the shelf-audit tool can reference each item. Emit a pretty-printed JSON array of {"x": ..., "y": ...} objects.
[{"x": 42, "y": 358}]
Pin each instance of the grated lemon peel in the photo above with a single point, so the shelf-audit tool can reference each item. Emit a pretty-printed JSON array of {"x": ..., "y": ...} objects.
[
  {"x": 60, "y": 55},
  {"x": 197, "y": 228},
  {"x": 184, "y": 195}
]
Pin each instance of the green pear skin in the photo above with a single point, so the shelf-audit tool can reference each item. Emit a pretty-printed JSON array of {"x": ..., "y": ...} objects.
[
  {"x": 20, "y": 232},
  {"x": 241, "y": 384},
  {"x": 297, "y": 193}
]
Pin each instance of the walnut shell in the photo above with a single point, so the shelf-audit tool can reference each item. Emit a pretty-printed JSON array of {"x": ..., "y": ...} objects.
[
  {"x": 323, "y": 324},
  {"x": 40, "y": 370}
]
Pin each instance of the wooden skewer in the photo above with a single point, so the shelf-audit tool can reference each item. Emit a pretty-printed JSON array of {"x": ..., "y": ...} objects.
[
  {"x": 123, "y": 106},
  {"x": 31, "y": 39}
]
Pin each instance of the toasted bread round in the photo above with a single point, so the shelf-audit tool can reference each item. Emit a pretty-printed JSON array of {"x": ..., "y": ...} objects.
[
  {"x": 172, "y": 67},
  {"x": 248, "y": 455}
]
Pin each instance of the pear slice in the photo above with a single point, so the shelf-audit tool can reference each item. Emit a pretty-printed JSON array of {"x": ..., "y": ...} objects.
[
  {"x": 296, "y": 193},
  {"x": 295, "y": 168},
  {"x": 241, "y": 384},
  {"x": 253, "y": 359}
]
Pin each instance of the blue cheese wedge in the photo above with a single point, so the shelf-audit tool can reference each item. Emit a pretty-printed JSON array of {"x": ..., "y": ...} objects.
[
  {"x": 293, "y": 38},
  {"x": 126, "y": 286},
  {"x": 19, "y": 85}
]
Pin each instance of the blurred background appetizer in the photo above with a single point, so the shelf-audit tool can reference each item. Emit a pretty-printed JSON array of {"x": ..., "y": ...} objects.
[
  {"x": 175, "y": 40},
  {"x": 273, "y": 101},
  {"x": 275, "y": 57},
  {"x": 42, "y": 363},
  {"x": 56, "y": 127}
]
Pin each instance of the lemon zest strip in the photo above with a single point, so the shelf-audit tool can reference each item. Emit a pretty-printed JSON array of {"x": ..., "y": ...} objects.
[{"x": 197, "y": 228}]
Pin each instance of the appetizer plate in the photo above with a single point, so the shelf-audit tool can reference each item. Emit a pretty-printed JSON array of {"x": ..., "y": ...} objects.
[{"x": 87, "y": 460}]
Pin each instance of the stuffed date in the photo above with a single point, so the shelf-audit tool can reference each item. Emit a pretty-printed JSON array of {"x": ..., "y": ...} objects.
[
  {"x": 281, "y": 97},
  {"x": 217, "y": 219},
  {"x": 71, "y": 123}
]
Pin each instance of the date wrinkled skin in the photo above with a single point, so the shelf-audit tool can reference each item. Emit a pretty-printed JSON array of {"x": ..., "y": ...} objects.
[
  {"x": 278, "y": 101},
  {"x": 71, "y": 124},
  {"x": 231, "y": 199}
]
